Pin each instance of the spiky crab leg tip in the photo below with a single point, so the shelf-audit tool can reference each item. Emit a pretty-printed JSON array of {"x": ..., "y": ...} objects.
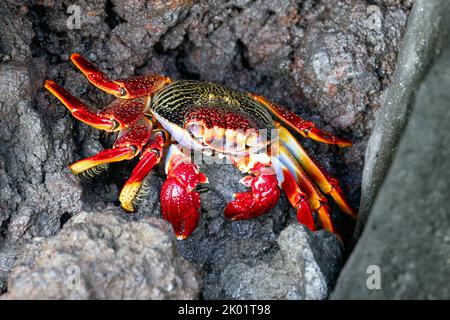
[
  {"x": 128, "y": 194},
  {"x": 149, "y": 158},
  {"x": 105, "y": 156},
  {"x": 321, "y": 136}
]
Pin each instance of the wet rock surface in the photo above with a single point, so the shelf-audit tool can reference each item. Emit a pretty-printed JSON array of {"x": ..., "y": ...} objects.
[
  {"x": 328, "y": 61},
  {"x": 404, "y": 250},
  {"x": 101, "y": 256}
]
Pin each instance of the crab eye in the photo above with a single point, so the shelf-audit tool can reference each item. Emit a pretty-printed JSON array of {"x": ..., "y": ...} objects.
[
  {"x": 195, "y": 129},
  {"x": 123, "y": 92},
  {"x": 115, "y": 124},
  {"x": 133, "y": 148}
]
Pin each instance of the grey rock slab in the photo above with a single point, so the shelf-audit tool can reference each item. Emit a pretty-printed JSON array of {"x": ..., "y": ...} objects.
[
  {"x": 407, "y": 235},
  {"x": 426, "y": 31}
]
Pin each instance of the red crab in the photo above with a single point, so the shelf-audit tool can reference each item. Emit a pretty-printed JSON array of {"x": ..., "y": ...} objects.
[{"x": 152, "y": 112}]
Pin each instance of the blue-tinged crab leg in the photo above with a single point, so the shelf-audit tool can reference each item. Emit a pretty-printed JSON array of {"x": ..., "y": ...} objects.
[
  {"x": 305, "y": 128},
  {"x": 329, "y": 185},
  {"x": 127, "y": 88}
]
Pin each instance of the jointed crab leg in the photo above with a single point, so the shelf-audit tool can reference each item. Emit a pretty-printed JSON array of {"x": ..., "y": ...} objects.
[
  {"x": 305, "y": 128},
  {"x": 297, "y": 198},
  {"x": 327, "y": 184},
  {"x": 317, "y": 201},
  {"x": 125, "y": 89},
  {"x": 127, "y": 146},
  {"x": 118, "y": 115},
  {"x": 150, "y": 157},
  {"x": 103, "y": 157},
  {"x": 79, "y": 110}
]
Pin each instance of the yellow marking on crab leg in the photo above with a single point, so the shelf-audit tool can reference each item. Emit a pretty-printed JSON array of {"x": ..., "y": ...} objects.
[
  {"x": 327, "y": 184},
  {"x": 105, "y": 156}
]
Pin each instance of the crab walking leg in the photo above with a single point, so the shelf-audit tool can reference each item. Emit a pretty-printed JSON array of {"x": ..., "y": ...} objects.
[
  {"x": 103, "y": 157},
  {"x": 317, "y": 201},
  {"x": 116, "y": 116},
  {"x": 305, "y": 128},
  {"x": 150, "y": 157},
  {"x": 328, "y": 185},
  {"x": 297, "y": 198},
  {"x": 180, "y": 203},
  {"x": 126, "y": 89},
  {"x": 80, "y": 110},
  {"x": 127, "y": 146}
]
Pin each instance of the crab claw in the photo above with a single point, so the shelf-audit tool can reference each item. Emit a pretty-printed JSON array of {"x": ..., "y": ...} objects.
[
  {"x": 127, "y": 88},
  {"x": 263, "y": 196},
  {"x": 180, "y": 203}
]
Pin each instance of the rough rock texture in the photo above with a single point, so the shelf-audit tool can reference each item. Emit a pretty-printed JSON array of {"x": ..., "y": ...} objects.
[
  {"x": 407, "y": 234},
  {"x": 35, "y": 192},
  {"x": 305, "y": 268},
  {"x": 100, "y": 256},
  {"x": 328, "y": 60},
  {"x": 423, "y": 40}
]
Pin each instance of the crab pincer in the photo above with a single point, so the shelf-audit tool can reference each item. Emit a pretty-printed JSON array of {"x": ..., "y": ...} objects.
[
  {"x": 262, "y": 198},
  {"x": 180, "y": 202}
]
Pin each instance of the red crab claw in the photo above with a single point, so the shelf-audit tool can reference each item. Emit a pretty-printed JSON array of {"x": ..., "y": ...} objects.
[
  {"x": 263, "y": 196},
  {"x": 180, "y": 203},
  {"x": 122, "y": 88}
]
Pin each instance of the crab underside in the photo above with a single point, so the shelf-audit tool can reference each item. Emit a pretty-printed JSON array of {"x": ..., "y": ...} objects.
[{"x": 152, "y": 113}]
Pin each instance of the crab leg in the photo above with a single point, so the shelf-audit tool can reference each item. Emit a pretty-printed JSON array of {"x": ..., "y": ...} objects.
[
  {"x": 305, "y": 128},
  {"x": 327, "y": 184},
  {"x": 297, "y": 198},
  {"x": 317, "y": 201},
  {"x": 127, "y": 146},
  {"x": 180, "y": 203},
  {"x": 126, "y": 89},
  {"x": 151, "y": 155},
  {"x": 80, "y": 110}
]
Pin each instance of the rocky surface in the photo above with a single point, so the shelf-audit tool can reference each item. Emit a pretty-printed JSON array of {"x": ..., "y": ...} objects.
[
  {"x": 100, "y": 256},
  {"x": 407, "y": 235},
  {"x": 425, "y": 34},
  {"x": 329, "y": 61},
  {"x": 305, "y": 267}
]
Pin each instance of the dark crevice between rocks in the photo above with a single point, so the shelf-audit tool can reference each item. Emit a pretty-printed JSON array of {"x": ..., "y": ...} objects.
[
  {"x": 37, "y": 16},
  {"x": 242, "y": 52},
  {"x": 65, "y": 217},
  {"x": 112, "y": 18}
]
